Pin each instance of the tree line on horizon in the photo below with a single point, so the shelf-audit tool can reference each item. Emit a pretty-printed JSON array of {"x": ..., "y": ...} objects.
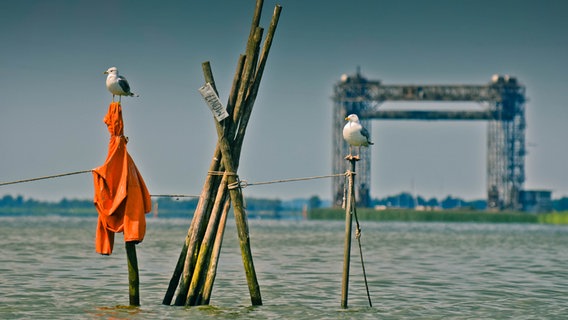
[{"x": 402, "y": 200}]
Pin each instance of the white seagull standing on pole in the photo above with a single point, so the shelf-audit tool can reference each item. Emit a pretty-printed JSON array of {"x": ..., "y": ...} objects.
[
  {"x": 117, "y": 85},
  {"x": 355, "y": 134}
]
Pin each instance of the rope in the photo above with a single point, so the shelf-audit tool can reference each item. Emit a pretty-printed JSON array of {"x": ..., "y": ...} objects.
[
  {"x": 358, "y": 237},
  {"x": 174, "y": 196},
  {"x": 44, "y": 178},
  {"x": 245, "y": 183},
  {"x": 87, "y": 171},
  {"x": 235, "y": 185},
  {"x": 345, "y": 183},
  {"x": 238, "y": 184},
  {"x": 220, "y": 173}
]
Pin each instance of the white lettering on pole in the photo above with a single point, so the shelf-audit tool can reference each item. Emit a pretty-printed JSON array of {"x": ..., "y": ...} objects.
[{"x": 213, "y": 102}]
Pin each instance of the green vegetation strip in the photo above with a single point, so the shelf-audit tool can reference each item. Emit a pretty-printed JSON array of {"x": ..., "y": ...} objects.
[
  {"x": 427, "y": 216},
  {"x": 554, "y": 218}
]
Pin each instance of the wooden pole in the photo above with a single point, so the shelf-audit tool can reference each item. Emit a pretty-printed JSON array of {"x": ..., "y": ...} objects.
[
  {"x": 193, "y": 240},
  {"x": 252, "y": 93},
  {"x": 193, "y": 295},
  {"x": 348, "y": 226},
  {"x": 197, "y": 256},
  {"x": 133, "y": 276},
  {"x": 212, "y": 272},
  {"x": 358, "y": 237},
  {"x": 227, "y": 132},
  {"x": 240, "y": 214},
  {"x": 203, "y": 259}
]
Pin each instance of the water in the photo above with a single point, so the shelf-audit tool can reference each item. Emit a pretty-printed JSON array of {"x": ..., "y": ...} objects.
[{"x": 49, "y": 270}]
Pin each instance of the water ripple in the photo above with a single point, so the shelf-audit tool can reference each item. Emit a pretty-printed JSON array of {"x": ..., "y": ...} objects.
[{"x": 49, "y": 270}]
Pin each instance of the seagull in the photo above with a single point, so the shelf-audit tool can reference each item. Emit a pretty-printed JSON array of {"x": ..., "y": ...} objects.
[
  {"x": 355, "y": 134},
  {"x": 117, "y": 85}
]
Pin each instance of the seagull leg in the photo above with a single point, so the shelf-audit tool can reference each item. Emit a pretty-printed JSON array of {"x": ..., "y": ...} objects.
[
  {"x": 358, "y": 153},
  {"x": 350, "y": 155}
]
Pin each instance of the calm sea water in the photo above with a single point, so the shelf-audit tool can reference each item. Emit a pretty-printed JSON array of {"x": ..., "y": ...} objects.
[{"x": 49, "y": 270}]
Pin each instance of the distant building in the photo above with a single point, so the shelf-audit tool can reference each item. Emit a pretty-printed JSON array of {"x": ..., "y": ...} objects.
[{"x": 536, "y": 201}]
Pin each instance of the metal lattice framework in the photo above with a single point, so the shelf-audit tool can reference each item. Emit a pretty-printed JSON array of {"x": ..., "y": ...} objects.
[{"x": 503, "y": 96}]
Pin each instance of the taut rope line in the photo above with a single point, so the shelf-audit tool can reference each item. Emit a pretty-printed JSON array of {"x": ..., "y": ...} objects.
[
  {"x": 358, "y": 237},
  {"x": 245, "y": 183},
  {"x": 44, "y": 178},
  {"x": 238, "y": 184},
  {"x": 88, "y": 171},
  {"x": 174, "y": 196}
]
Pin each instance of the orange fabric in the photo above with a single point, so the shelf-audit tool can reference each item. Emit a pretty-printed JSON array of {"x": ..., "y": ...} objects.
[{"x": 121, "y": 196}]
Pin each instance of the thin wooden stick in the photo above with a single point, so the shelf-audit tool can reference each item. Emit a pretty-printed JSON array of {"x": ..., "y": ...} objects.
[
  {"x": 133, "y": 276},
  {"x": 253, "y": 91},
  {"x": 212, "y": 272},
  {"x": 198, "y": 255},
  {"x": 229, "y": 126},
  {"x": 195, "y": 235},
  {"x": 208, "y": 193},
  {"x": 348, "y": 227},
  {"x": 177, "y": 271},
  {"x": 255, "y": 19},
  {"x": 203, "y": 259},
  {"x": 240, "y": 213},
  {"x": 203, "y": 256},
  {"x": 250, "y": 98},
  {"x": 358, "y": 237},
  {"x": 249, "y": 66}
]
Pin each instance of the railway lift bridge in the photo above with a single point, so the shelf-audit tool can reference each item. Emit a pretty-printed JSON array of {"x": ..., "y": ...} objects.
[{"x": 503, "y": 97}]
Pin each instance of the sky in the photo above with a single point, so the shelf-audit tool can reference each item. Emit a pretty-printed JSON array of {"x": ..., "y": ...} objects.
[{"x": 53, "y": 97}]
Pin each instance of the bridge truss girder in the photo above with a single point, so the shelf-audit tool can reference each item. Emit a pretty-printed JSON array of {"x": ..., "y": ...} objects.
[{"x": 504, "y": 99}]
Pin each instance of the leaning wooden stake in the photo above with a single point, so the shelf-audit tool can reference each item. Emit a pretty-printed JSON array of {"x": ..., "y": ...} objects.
[
  {"x": 212, "y": 272},
  {"x": 195, "y": 288},
  {"x": 249, "y": 103},
  {"x": 348, "y": 226},
  {"x": 199, "y": 256},
  {"x": 207, "y": 195},
  {"x": 196, "y": 231},
  {"x": 358, "y": 237},
  {"x": 236, "y": 195},
  {"x": 133, "y": 276}
]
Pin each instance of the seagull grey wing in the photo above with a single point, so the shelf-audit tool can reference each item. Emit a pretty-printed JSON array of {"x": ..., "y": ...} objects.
[
  {"x": 365, "y": 134},
  {"x": 123, "y": 84}
]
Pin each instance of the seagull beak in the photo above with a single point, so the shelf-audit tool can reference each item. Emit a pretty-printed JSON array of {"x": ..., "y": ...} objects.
[
  {"x": 106, "y": 72},
  {"x": 346, "y": 118}
]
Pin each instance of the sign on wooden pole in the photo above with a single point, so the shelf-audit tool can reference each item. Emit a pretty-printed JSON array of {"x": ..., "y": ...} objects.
[{"x": 213, "y": 102}]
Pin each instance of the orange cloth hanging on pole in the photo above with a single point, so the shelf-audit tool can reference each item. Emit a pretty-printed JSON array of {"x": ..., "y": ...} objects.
[{"x": 121, "y": 196}]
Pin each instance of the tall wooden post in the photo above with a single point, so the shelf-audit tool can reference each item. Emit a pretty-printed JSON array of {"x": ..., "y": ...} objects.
[
  {"x": 197, "y": 263},
  {"x": 237, "y": 200},
  {"x": 133, "y": 276},
  {"x": 187, "y": 261},
  {"x": 350, "y": 202}
]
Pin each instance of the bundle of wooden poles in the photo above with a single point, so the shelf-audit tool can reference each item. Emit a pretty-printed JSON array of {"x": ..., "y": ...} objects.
[{"x": 196, "y": 268}]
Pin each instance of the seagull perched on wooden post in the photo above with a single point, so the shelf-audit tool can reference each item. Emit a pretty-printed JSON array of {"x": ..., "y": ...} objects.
[
  {"x": 117, "y": 85},
  {"x": 355, "y": 134}
]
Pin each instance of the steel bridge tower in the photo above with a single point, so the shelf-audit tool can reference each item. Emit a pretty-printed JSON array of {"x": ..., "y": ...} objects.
[{"x": 503, "y": 97}]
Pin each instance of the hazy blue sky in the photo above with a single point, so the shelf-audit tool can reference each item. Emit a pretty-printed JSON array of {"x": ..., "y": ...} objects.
[{"x": 53, "y": 97}]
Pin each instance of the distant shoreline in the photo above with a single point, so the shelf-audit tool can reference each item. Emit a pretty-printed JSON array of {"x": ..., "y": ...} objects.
[
  {"x": 441, "y": 216},
  {"x": 366, "y": 214}
]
